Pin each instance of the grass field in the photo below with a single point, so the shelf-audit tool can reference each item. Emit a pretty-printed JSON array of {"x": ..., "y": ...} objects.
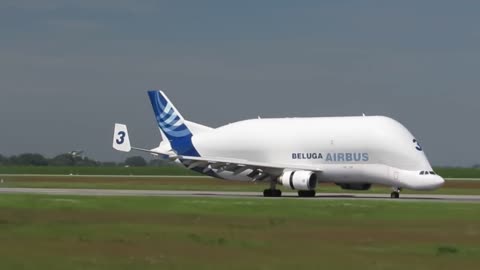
[
  {"x": 65, "y": 232},
  {"x": 192, "y": 183},
  {"x": 63, "y": 179},
  {"x": 167, "y": 170},
  {"x": 175, "y": 170}
]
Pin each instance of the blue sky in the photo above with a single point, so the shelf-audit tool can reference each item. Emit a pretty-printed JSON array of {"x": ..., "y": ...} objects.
[{"x": 70, "y": 69}]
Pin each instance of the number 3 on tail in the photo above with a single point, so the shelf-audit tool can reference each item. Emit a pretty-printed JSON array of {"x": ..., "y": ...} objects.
[{"x": 121, "y": 137}]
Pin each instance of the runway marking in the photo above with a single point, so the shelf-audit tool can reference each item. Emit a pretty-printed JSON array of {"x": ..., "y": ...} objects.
[{"x": 222, "y": 194}]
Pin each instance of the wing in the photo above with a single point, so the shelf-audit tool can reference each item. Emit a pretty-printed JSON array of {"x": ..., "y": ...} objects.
[{"x": 259, "y": 171}]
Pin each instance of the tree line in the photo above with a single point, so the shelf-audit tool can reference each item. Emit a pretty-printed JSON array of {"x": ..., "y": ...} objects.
[{"x": 67, "y": 159}]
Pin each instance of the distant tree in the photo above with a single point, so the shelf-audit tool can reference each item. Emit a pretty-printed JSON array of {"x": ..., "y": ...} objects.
[
  {"x": 3, "y": 160},
  {"x": 136, "y": 161},
  {"x": 12, "y": 160},
  {"x": 159, "y": 163},
  {"x": 108, "y": 164},
  {"x": 67, "y": 159},
  {"x": 29, "y": 159},
  {"x": 476, "y": 166},
  {"x": 86, "y": 162},
  {"x": 62, "y": 160}
]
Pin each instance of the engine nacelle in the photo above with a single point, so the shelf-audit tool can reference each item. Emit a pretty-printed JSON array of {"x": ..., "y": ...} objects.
[
  {"x": 299, "y": 180},
  {"x": 355, "y": 186}
]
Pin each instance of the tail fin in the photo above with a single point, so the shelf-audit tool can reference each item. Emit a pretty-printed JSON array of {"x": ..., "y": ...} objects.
[{"x": 172, "y": 124}]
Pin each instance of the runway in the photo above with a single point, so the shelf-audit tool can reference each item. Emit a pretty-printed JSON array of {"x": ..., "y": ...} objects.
[{"x": 239, "y": 195}]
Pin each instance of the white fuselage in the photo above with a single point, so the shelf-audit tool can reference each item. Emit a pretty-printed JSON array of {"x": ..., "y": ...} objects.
[{"x": 365, "y": 149}]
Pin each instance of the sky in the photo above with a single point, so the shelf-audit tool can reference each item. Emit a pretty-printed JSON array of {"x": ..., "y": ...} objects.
[{"x": 70, "y": 69}]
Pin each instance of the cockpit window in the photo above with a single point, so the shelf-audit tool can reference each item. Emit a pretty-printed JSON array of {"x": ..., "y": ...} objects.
[{"x": 427, "y": 173}]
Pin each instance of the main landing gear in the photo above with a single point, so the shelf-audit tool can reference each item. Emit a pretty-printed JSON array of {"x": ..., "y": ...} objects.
[
  {"x": 395, "y": 193},
  {"x": 306, "y": 193},
  {"x": 278, "y": 193},
  {"x": 272, "y": 191}
]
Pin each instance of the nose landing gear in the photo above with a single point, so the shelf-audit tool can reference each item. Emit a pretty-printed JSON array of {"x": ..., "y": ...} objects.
[{"x": 395, "y": 193}]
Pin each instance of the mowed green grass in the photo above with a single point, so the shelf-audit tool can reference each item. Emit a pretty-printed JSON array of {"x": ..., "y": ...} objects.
[
  {"x": 68, "y": 232},
  {"x": 166, "y": 170},
  {"x": 458, "y": 172}
]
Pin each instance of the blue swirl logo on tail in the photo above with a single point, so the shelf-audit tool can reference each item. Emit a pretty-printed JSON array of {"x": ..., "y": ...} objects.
[{"x": 172, "y": 124}]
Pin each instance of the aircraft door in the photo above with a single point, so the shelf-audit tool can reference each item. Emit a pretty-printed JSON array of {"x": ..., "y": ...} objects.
[{"x": 395, "y": 176}]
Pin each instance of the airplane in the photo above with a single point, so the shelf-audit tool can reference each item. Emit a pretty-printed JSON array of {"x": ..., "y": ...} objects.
[
  {"x": 298, "y": 153},
  {"x": 76, "y": 153}
]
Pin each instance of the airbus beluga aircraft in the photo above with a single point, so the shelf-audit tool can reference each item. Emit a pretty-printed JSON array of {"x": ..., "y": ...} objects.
[{"x": 298, "y": 153}]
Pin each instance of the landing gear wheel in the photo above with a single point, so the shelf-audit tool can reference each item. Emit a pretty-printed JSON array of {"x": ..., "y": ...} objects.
[
  {"x": 395, "y": 195},
  {"x": 272, "y": 193},
  {"x": 306, "y": 193}
]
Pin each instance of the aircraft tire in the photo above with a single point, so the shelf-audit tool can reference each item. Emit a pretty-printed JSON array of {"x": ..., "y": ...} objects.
[
  {"x": 306, "y": 193},
  {"x": 272, "y": 193},
  {"x": 395, "y": 195}
]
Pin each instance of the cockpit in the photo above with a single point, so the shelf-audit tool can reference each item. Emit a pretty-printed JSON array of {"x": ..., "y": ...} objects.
[{"x": 427, "y": 173}]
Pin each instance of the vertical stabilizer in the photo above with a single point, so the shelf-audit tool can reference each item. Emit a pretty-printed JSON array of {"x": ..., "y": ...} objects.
[{"x": 172, "y": 124}]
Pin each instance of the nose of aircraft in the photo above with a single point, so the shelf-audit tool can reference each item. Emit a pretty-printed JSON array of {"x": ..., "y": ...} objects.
[
  {"x": 437, "y": 182},
  {"x": 422, "y": 182}
]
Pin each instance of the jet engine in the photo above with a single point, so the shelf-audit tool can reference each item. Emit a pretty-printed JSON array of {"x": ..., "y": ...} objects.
[{"x": 299, "y": 180}]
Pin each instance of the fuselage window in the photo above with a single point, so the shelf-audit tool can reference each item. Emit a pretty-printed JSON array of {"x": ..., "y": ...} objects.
[{"x": 432, "y": 172}]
